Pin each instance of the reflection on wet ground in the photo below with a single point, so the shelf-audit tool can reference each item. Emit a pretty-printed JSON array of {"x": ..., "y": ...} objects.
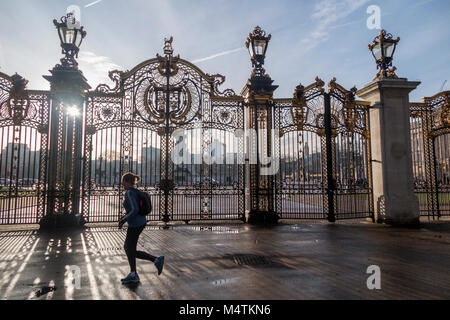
[{"x": 288, "y": 261}]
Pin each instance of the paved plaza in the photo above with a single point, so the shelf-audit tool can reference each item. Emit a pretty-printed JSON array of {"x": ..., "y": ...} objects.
[{"x": 308, "y": 260}]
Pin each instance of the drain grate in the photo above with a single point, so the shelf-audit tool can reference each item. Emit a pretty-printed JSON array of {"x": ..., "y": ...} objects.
[{"x": 251, "y": 260}]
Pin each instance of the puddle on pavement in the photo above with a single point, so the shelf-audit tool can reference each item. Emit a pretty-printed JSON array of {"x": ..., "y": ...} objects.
[
  {"x": 300, "y": 242},
  {"x": 215, "y": 229}
]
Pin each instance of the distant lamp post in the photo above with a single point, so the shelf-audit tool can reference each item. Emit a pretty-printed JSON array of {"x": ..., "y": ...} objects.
[
  {"x": 383, "y": 49},
  {"x": 71, "y": 36},
  {"x": 257, "y": 43}
]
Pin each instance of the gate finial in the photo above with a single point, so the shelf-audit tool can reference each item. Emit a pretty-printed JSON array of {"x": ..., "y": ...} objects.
[{"x": 168, "y": 49}]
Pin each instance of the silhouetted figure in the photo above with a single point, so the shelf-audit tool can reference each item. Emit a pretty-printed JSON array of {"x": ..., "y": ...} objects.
[{"x": 136, "y": 224}]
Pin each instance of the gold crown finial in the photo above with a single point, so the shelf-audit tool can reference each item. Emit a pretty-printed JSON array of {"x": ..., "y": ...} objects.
[{"x": 168, "y": 49}]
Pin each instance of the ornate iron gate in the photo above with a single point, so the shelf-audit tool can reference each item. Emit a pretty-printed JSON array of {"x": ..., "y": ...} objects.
[
  {"x": 324, "y": 153},
  {"x": 165, "y": 120},
  {"x": 430, "y": 141},
  {"x": 24, "y": 118},
  {"x": 168, "y": 122}
]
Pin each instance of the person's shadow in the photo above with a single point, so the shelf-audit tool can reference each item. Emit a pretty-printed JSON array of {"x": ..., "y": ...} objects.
[{"x": 132, "y": 286}]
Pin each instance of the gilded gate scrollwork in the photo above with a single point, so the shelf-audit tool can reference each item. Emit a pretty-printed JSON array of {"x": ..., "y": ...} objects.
[
  {"x": 146, "y": 106},
  {"x": 303, "y": 183},
  {"x": 24, "y": 116},
  {"x": 430, "y": 141}
]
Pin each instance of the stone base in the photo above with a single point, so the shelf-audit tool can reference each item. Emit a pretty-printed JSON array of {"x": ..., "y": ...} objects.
[
  {"x": 407, "y": 222},
  {"x": 54, "y": 221},
  {"x": 262, "y": 217}
]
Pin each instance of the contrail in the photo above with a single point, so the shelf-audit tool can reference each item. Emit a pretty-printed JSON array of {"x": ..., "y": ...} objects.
[
  {"x": 217, "y": 55},
  {"x": 92, "y": 3}
]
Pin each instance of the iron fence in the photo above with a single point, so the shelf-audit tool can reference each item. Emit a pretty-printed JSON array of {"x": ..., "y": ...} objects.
[
  {"x": 323, "y": 149},
  {"x": 430, "y": 141},
  {"x": 324, "y": 154},
  {"x": 23, "y": 143}
]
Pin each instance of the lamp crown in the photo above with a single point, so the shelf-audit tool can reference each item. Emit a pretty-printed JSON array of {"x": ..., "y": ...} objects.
[
  {"x": 383, "y": 36},
  {"x": 257, "y": 34}
]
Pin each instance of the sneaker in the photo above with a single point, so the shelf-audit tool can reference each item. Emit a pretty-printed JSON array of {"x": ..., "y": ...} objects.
[
  {"x": 130, "y": 279},
  {"x": 159, "y": 264}
]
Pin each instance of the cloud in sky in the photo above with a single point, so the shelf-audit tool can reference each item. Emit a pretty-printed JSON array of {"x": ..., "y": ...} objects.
[
  {"x": 418, "y": 4},
  {"x": 2, "y": 60},
  {"x": 327, "y": 38},
  {"x": 92, "y": 3},
  {"x": 224, "y": 53},
  {"x": 96, "y": 67},
  {"x": 327, "y": 12}
]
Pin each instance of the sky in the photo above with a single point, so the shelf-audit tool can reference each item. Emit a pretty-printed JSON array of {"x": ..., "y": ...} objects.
[{"x": 325, "y": 38}]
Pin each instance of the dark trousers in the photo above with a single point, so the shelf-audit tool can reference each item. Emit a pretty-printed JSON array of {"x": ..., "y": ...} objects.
[{"x": 131, "y": 248}]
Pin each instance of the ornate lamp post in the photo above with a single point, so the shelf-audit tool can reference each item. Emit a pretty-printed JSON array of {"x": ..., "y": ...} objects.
[
  {"x": 260, "y": 83},
  {"x": 383, "y": 49},
  {"x": 257, "y": 43},
  {"x": 258, "y": 93},
  {"x": 71, "y": 37},
  {"x": 68, "y": 88}
]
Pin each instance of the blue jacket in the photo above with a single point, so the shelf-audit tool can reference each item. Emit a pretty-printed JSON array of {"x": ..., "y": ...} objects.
[{"x": 131, "y": 205}]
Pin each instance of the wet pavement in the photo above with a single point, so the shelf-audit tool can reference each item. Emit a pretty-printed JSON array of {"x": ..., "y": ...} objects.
[{"x": 289, "y": 261}]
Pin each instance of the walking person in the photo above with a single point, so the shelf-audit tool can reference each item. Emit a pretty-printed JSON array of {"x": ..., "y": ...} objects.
[{"x": 136, "y": 224}]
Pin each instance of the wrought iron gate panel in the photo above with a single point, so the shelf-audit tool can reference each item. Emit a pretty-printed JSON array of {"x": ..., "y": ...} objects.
[
  {"x": 23, "y": 160},
  {"x": 146, "y": 163},
  {"x": 430, "y": 141},
  {"x": 300, "y": 187},
  {"x": 215, "y": 179},
  {"x": 352, "y": 170},
  {"x": 105, "y": 158},
  {"x": 324, "y": 165},
  {"x": 422, "y": 154},
  {"x": 442, "y": 156},
  {"x": 140, "y": 117}
]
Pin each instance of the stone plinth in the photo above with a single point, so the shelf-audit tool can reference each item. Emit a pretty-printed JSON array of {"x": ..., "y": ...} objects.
[{"x": 393, "y": 183}]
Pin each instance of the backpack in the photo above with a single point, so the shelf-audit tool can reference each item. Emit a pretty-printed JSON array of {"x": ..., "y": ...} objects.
[{"x": 145, "y": 204}]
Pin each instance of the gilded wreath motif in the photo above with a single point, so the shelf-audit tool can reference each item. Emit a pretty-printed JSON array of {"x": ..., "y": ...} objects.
[
  {"x": 299, "y": 111},
  {"x": 445, "y": 112},
  {"x": 349, "y": 112}
]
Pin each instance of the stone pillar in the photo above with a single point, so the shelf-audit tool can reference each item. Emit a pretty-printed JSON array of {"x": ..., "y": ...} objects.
[
  {"x": 258, "y": 93},
  {"x": 393, "y": 184},
  {"x": 68, "y": 88}
]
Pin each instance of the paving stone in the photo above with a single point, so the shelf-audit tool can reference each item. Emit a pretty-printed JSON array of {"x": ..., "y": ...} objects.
[{"x": 288, "y": 261}]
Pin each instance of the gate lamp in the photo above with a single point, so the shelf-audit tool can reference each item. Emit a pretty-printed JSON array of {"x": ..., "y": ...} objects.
[
  {"x": 257, "y": 43},
  {"x": 383, "y": 48},
  {"x": 71, "y": 36}
]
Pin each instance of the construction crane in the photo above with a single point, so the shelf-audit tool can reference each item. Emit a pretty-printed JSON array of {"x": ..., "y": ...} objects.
[{"x": 443, "y": 85}]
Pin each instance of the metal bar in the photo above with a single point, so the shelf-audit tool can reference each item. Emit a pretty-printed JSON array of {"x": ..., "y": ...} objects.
[
  {"x": 167, "y": 123},
  {"x": 329, "y": 156},
  {"x": 436, "y": 184}
]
